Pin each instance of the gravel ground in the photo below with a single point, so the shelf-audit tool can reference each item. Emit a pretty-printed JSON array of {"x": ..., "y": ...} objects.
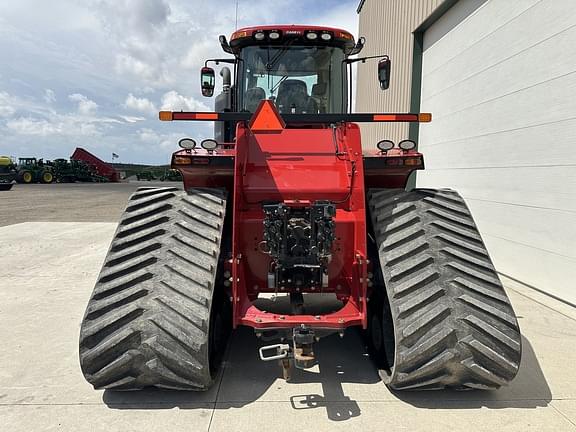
[{"x": 73, "y": 202}]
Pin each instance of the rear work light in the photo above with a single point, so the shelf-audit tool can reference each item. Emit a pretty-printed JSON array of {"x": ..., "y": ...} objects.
[
  {"x": 407, "y": 145},
  {"x": 311, "y": 36},
  {"x": 274, "y": 35},
  {"x": 259, "y": 36},
  {"x": 187, "y": 143},
  {"x": 326, "y": 36},
  {"x": 385, "y": 145},
  {"x": 209, "y": 144}
]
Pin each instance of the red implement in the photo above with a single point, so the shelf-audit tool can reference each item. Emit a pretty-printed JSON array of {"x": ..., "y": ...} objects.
[{"x": 102, "y": 168}]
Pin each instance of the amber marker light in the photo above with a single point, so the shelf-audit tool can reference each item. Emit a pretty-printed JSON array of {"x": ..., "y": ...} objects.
[
  {"x": 413, "y": 161},
  {"x": 165, "y": 115},
  {"x": 425, "y": 117},
  {"x": 182, "y": 160}
]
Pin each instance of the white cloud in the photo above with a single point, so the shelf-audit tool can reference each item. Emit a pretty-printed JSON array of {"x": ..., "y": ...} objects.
[
  {"x": 30, "y": 126},
  {"x": 148, "y": 135},
  {"x": 62, "y": 126},
  {"x": 85, "y": 105},
  {"x": 7, "y": 103},
  {"x": 6, "y": 111},
  {"x": 173, "y": 101},
  {"x": 140, "y": 29},
  {"x": 342, "y": 16},
  {"x": 167, "y": 142},
  {"x": 143, "y": 105},
  {"x": 145, "y": 70},
  {"x": 49, "y": 96},
  {"x": 143, "y": 17},
  {"x": 132, "y": 119}
]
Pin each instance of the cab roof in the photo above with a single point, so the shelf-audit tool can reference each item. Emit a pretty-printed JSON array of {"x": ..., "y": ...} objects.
[{"x": 246, "y": 36}]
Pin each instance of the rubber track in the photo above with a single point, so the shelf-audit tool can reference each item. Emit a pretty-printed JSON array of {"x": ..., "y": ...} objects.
[
  {"x": 147, "y": 321},
  {"x": 454, "y": 326}
]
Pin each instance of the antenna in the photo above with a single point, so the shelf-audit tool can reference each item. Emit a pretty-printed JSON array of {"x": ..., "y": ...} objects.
[{"x": 236, "y": 14}]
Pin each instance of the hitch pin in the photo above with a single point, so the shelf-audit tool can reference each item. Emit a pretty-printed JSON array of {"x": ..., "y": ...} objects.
[{"x": 281, "y": 352}]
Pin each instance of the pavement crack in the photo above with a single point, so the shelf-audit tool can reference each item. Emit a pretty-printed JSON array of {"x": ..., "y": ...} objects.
[{"x": 563, "y": 415}]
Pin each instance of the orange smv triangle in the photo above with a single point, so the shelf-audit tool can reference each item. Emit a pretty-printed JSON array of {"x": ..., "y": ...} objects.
[{"x": 267, "y": 118}]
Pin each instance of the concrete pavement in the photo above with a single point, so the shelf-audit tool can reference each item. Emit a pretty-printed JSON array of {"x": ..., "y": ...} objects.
[
  {"x": 49, "y": 269},
  {"x": 69, "y": 202}
]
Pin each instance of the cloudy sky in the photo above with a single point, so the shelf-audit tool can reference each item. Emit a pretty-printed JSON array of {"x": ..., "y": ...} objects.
[{"x": 94, "y": 73}]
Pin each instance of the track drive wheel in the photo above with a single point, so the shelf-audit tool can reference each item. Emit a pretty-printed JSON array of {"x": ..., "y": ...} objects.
[
  {"x": 158, "y": 315},
  {"x": 443, "y": 319}
]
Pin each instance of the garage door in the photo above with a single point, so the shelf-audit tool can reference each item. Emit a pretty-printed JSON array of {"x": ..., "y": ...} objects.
[{"x": 499, "y": 77}]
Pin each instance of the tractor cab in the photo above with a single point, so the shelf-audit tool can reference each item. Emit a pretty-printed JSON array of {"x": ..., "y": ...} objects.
[
  {"x": 27, "y": 161},
  {"x": 301, "y": 69}
]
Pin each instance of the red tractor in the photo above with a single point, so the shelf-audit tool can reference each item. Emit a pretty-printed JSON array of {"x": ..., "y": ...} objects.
[{"x": 287, "y": 226}]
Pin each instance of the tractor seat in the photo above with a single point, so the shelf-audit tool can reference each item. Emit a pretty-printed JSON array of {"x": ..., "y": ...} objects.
[
  {"x": 252, "y": 97},
  {"x": 294, "y": 94},
  {"x": 319, "y": 96}
]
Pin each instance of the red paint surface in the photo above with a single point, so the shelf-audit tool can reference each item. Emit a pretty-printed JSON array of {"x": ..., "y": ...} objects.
[
  {"x": 293, "y": 29},
  {"x": 297, "y": 166}
]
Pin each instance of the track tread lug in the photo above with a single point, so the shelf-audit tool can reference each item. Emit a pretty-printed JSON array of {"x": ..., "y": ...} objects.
[
  {"x": 453, "y": 323},
  {"x": 147, "y": 322}
]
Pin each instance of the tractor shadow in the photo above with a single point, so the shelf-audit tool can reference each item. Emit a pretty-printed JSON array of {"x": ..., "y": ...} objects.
[
  {"x": 342, "y": 364},
  {"x": 340, "y": 383},
  {"x": 246, "y": 379}
]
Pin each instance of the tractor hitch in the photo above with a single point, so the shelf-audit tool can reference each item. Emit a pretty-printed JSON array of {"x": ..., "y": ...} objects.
[
  {"x": 303, "y": 341},
  {"x": 300, "y": 354}
]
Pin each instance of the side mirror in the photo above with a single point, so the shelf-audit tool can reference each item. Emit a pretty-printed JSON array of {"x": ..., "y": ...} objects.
[
  {"x": 384, "y": 67},
  {"x": 207, "y": 81}
]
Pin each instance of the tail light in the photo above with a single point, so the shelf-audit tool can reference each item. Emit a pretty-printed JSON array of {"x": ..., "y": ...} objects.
[
  {"x": 181, "y": 160},
  {"x": 413, "y": 161},
  {"x": 396, "y": 161}
]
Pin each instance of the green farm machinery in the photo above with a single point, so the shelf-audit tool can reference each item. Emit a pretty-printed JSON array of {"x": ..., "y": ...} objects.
[
  {"x": 75, "y": 170},
  {"x": 32, "y": 170},
  {"x": 154, "y": 173},
  {"x": 146, "y": 175},
  {"x": 171, "y": 175},
  {"x": 7, "y": 173}
]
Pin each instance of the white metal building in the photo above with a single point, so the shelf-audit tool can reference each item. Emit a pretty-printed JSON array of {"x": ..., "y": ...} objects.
[{"x": 499, "y": 77}]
